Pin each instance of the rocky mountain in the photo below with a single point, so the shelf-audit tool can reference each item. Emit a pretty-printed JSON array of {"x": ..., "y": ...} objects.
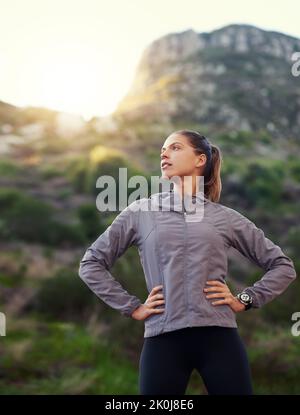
[{"x": 235, "y": 78}]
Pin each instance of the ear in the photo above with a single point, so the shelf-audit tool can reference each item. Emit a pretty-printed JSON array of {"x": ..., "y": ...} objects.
[{"x": 201, "y": 160}]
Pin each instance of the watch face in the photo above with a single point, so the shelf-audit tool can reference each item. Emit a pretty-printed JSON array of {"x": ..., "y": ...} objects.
[{"x": 245, "y": 297}]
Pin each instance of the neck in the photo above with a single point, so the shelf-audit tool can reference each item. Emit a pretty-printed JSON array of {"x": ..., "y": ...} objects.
[{"x": 187, "y": 186}]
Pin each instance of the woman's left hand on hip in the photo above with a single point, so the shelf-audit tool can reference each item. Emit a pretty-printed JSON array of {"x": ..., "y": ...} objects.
[{"x": 221, "y": 290}]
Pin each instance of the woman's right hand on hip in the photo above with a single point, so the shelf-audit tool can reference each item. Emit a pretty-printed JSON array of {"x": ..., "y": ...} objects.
[{"x": 145, "y": 310}]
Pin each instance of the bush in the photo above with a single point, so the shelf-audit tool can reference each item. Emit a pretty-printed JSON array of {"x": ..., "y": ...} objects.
[
  {"x": 294, "y": 169},
  {"x": 8, "y": 168},
  {"x": 64, "y": 296},
  {"x": 91, "y": 223},
  {"x": 28, "y": 219},
  {"x": 83, "y": 172},
  {"x": 23, "y": 217},
  {"x": 264, "y": 184},
  {"x": 65, "y": 234}
]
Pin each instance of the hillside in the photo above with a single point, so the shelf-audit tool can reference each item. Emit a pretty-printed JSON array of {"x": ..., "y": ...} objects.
[
  {"x": 235, "y": 77},
  {"x": 233, "y": 84}
]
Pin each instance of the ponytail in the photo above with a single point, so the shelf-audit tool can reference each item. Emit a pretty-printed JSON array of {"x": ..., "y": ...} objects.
[
  {"x": 212, "y": 170},
  {"x": 212, "y": 182}
]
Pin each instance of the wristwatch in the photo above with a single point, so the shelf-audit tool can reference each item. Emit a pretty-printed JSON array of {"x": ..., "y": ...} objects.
[{"x": 245, "y": 299}]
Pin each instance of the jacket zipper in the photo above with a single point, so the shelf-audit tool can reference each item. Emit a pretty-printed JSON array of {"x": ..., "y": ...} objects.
[{"x": 184, "y": 267}]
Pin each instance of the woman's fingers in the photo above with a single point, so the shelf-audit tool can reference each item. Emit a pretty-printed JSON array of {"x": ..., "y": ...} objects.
[
  {"x": 220, "y": 289},
  {"x": 216, "y": 288},
  {"x": 226, "y": 301},
  {"x": 215, "y": 284},
  {"x": 218, "y": 295},
  {"x": 153, "y": 296},
  {"x": 157, "y": 296},
  {"x": 155, "y": 289},
  {"x": 158, "y": 310},
  {"x": 155, "y": 303},
  {"x": 155, "y": 299}
]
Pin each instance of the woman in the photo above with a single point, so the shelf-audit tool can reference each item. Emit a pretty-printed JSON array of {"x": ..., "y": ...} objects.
[{"x": 190, "y": 313}]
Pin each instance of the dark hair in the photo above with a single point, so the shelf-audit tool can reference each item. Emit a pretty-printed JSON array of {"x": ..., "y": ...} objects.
[{"x": 212, "y": 170}]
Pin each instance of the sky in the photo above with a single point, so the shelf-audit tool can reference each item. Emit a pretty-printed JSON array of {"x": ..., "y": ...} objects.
[{"x": 80, "y": 56}]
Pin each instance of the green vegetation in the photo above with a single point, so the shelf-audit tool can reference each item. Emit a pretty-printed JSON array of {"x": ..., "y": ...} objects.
[
  {"x": 62, "y": 358},
  {"x": 61, "y": 338},
  {"x": 26, "y": 218},
  {"x": 91, "y": 221},
  {"x": 64, "y": 296},
  {"x": 8, "y": 168}
]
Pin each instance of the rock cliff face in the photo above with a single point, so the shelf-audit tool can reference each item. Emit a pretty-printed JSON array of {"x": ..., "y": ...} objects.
[{"x": 236, "y": 77}]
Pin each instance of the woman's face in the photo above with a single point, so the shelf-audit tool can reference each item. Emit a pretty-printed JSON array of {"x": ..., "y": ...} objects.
[{"x": 179, "y": 159}]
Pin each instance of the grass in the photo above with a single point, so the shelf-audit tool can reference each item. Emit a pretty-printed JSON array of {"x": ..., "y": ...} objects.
[
  {"x": 61, "y": 358},
  {"x": 66, "y": 358}
]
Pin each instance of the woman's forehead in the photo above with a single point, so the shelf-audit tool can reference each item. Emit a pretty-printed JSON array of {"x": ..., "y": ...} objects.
[{"x": 175, "y": 138}]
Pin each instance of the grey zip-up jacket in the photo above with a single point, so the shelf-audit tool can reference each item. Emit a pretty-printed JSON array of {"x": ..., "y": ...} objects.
[{"x": 181, "y": 250}]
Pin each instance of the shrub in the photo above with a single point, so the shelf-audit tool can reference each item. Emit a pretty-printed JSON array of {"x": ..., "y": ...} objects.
[
  {"x": 8, "y": 168},
  {"x": 91, "y": 222},
  {"x": 28, "y": 219},
  {"x": 264, "y": 183},
  {"x": 83, "y": 171},
  {"x": 64, "y": 296}
]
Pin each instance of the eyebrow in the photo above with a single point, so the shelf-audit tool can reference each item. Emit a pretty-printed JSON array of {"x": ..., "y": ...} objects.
[{"x": 175, "y": 142}]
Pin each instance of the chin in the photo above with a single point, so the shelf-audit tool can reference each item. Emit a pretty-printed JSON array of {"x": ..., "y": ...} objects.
[
  {"x": 165, "y": 176},
  {"x": 168, "y": 175}
]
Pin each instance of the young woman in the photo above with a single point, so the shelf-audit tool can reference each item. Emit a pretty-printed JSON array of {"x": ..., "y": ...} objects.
[{"x": 190, "y": 313}]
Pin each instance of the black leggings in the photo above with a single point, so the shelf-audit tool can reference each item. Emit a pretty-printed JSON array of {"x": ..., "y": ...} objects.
[{"x": 217, "y": 353}]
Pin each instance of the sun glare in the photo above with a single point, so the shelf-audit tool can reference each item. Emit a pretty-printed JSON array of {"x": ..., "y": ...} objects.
[
  {"x": 71, "y": 79},
  {"x": 68, "y": 86}
]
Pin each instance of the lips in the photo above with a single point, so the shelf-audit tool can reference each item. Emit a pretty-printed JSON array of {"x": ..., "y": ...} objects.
[{"x": 165, "y": 164}]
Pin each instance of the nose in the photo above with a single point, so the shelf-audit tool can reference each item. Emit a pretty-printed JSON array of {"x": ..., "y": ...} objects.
[{"x": 163, "y": 154}]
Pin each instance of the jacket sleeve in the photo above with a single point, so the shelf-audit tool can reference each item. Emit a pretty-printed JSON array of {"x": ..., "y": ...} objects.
[
  {"x": 252, "y": 243},
  {"x": 101, "y": 256}
]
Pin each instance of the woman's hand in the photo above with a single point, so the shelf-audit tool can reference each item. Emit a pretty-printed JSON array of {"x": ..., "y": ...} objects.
[
  {"x": 222, "y": 291},
  {"x": 146, "y": 309}
]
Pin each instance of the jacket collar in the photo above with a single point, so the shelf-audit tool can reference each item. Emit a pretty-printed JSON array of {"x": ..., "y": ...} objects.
[{"x": 172, "y": 200}]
